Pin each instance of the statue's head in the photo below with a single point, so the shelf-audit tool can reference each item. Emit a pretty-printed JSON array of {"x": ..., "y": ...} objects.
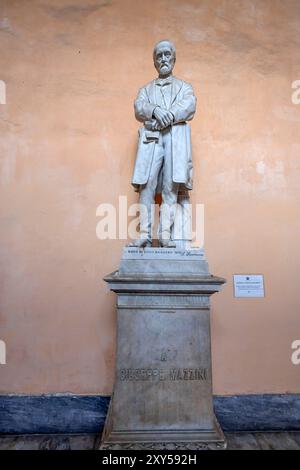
[{"x": 164, "y": 57}]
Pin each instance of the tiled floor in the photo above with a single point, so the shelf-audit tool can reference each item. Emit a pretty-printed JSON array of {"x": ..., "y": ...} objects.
[{"x": 236, "y": 441}]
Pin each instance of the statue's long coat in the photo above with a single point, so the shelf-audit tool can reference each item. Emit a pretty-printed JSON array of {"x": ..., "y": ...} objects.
[{"x": 183, "y": 107}]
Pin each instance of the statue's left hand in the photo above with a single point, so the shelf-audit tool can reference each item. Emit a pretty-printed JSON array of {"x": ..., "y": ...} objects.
[
  {"x": 159, "y": 127},
  {"x": 164, "y": 117}
]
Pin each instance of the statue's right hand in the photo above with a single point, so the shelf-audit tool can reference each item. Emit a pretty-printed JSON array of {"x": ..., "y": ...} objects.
[{"x": 164, "y": 117}]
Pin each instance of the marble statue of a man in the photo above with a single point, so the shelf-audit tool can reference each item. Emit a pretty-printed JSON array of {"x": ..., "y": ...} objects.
[{"x": 164, "y": 158}]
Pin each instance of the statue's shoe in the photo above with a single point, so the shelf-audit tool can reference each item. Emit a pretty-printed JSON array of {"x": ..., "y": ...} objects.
[
  {"x": 167, "y": 244},
  {"x": 140, "y": 243}
]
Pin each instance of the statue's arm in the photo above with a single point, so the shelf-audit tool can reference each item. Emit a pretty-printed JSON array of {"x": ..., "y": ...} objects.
[
  {"x": 143, "y": 109},
  {"x": 184, "y": 110}
]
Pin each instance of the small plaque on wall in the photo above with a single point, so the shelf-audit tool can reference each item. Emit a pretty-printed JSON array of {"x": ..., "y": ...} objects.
[{"x": 248, "y": 285}]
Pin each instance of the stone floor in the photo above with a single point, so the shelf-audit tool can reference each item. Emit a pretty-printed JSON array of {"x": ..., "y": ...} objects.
[{"x": 236, "y": 441}]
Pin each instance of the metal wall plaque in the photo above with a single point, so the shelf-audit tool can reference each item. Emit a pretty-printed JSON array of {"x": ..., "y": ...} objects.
[{"x": 248, "y": 285}]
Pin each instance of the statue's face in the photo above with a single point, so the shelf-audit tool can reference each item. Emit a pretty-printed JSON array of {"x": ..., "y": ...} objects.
[{"x": 164, "y": 59}]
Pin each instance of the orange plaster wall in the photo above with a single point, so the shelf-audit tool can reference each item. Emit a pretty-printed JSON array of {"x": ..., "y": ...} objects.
[{"x": 67, "y": 142}]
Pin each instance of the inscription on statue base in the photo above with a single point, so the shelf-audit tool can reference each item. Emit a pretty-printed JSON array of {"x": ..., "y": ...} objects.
[{"x": 163, "y": 374}]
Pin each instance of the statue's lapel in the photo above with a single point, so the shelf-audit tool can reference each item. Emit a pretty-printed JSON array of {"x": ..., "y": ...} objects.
[
  {"x": 152, "y": 92},
  {"x": 176, "y": 87}
]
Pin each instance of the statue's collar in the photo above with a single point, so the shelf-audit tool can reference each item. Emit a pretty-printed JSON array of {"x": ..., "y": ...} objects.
[{"x": 164, "y": 81}]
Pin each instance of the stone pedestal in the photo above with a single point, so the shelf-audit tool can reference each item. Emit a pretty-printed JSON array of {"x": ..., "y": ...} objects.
[{"x": 163, "y": 387}]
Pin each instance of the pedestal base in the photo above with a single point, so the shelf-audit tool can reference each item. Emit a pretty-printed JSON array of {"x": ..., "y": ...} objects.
[
  {"x": 163, "y": 387},
  {"x": 184, "y": 440}
]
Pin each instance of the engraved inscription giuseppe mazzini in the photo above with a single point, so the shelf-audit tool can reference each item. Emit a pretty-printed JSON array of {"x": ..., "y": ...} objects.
[{"x": 176, "y": 374}]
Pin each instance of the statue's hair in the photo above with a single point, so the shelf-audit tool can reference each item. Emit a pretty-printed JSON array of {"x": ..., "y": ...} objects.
[{"x": 173, "y": 48}]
